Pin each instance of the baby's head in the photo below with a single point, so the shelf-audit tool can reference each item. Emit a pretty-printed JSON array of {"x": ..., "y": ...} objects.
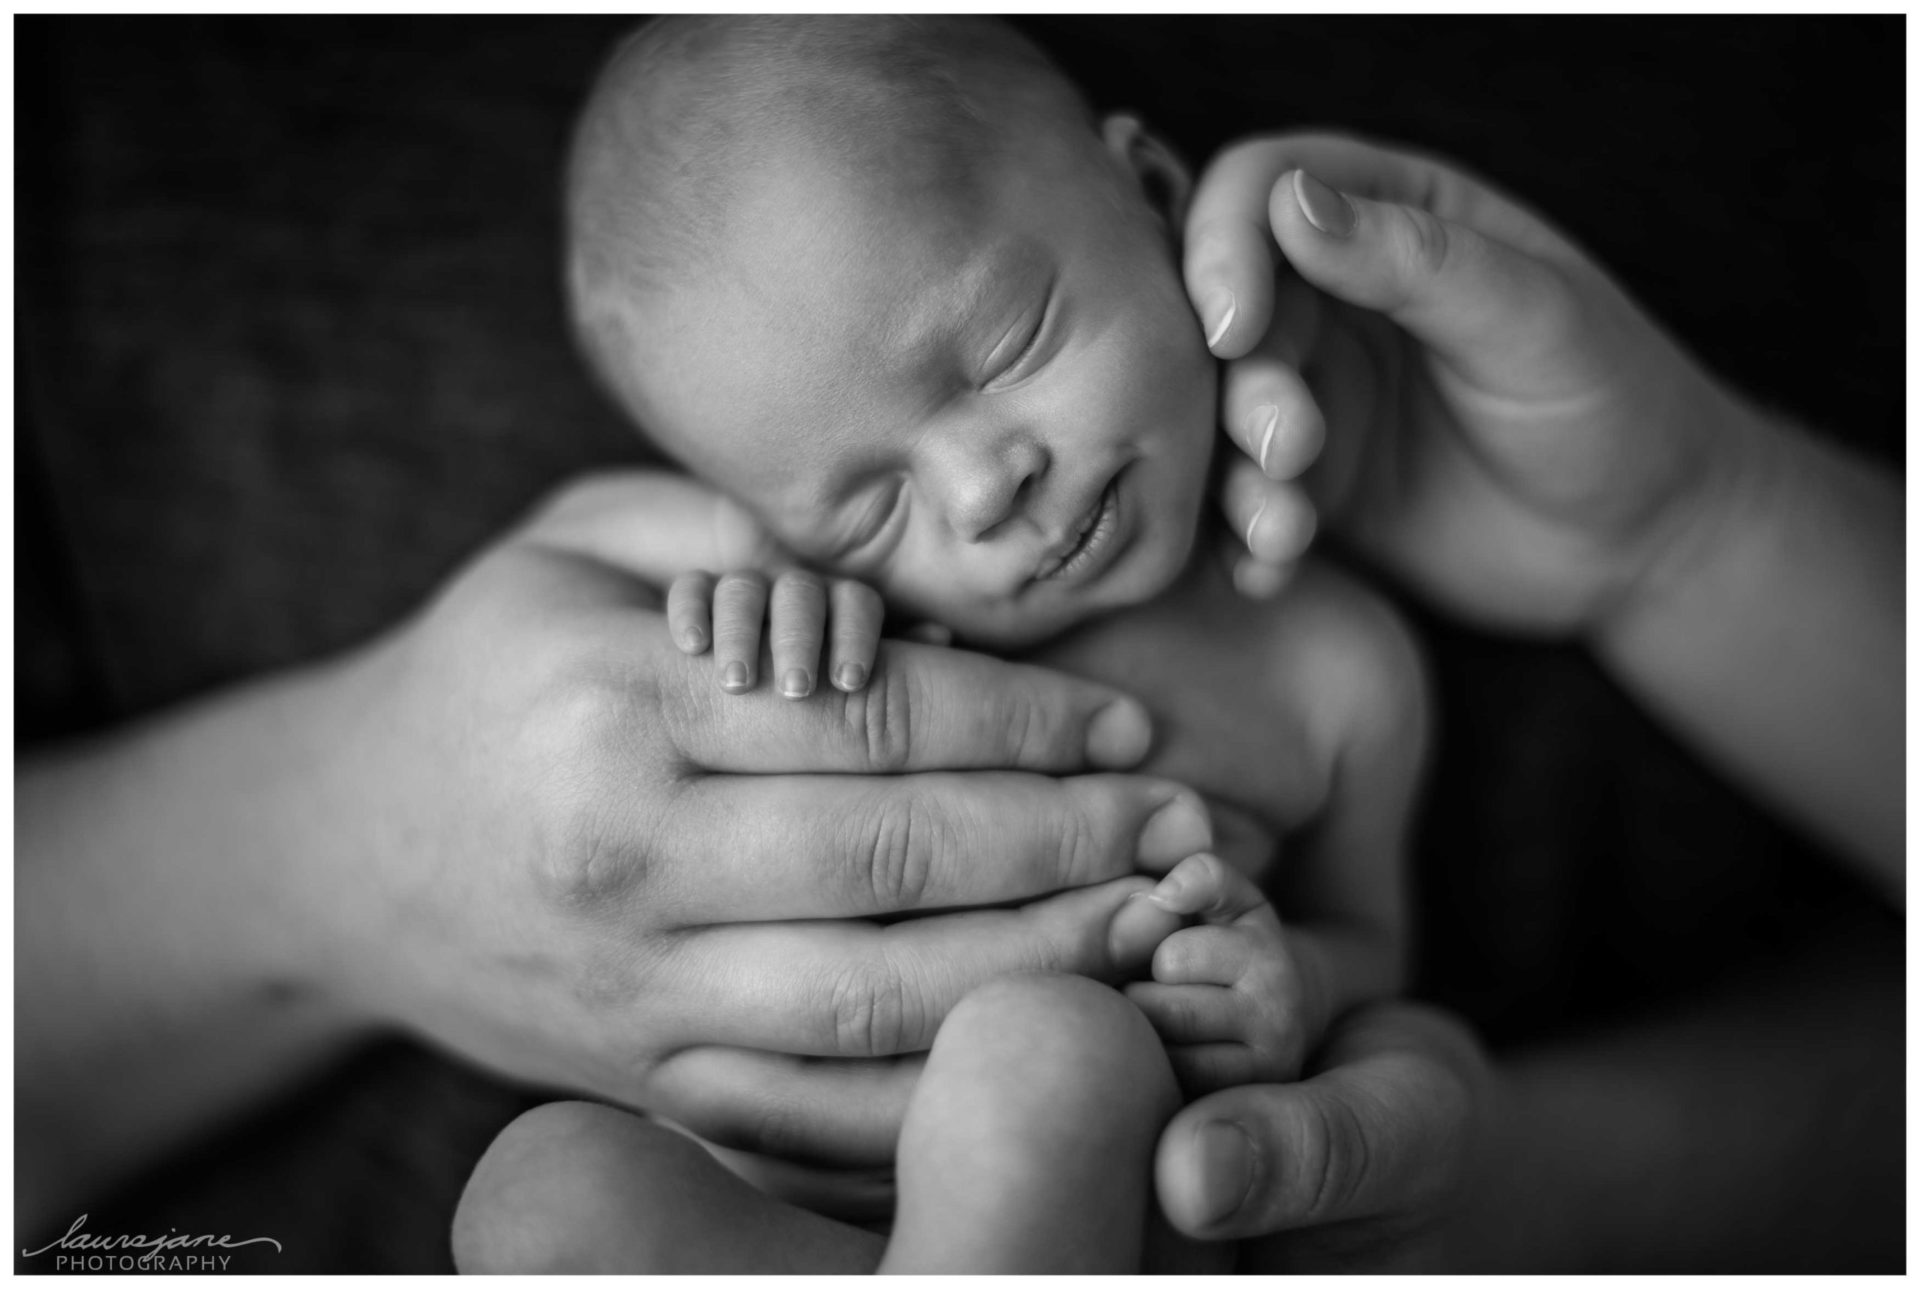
[{"x": 891, "y": 285}]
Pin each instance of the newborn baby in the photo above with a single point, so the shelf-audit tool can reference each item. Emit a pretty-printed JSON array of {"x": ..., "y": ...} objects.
[{"x": 891, "y": 287}]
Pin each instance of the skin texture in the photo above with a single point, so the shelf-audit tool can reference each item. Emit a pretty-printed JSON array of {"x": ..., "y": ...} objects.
[{"x": 940, "y": 390}]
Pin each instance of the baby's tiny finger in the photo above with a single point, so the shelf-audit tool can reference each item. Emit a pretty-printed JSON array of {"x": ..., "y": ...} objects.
[
  {"x": 1207, "y": 887},
  {"x": 1275, "y": 521},
  {"x": 797, "y": 628},
  {"x": 1189, "y": 1013},
  {"x": 857, "y": 614},
  {"x": 739, "y": 606},
  {"x": 690, "y": 612},
  {"x": 1203, "y": 955}
]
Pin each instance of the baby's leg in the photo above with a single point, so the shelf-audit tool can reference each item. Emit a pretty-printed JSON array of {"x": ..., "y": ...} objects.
[
  {"x": 576, "y": 1187},
  {"x": 1028, "y": 1147},
  {"x": 1029, "y": 1143}
]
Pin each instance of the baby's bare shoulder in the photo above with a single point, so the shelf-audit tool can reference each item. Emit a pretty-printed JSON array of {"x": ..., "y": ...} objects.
[
  {"x": 1256, "y": 700},
  {"x": 1337, "y": 646}
]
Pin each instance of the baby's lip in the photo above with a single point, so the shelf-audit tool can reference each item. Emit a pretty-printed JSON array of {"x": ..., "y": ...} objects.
[{"x": 1083, "y": 529}]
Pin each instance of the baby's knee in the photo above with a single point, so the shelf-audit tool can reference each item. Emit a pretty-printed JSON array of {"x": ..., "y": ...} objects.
[
  {"x": 1055, "y": 1051},
  {"x": 541, "y": 1197}
]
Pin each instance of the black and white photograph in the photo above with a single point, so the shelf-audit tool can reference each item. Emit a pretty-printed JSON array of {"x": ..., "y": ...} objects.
[{"x": 831, "y": 644}]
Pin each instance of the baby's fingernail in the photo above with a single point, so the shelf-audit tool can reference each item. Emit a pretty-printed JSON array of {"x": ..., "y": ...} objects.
[
  {"x": 1260, "y": 427},
  {"x": 1136, "y": 931},
  {"x": 1170, "y": 893},
  {"x": 1176, "y": 830},
  {"x": 694, "y": 639},
  {"x": 850, "y": 676},
  {"x": 1225, "y": 1173},
  {"x": 734, "y": 676},
  {"x": 796, "y": 684},
  {"x": 1119, "y": 734},
  {"x": 1324, "y": 208},
  {"x": 1220, "y": 312}
]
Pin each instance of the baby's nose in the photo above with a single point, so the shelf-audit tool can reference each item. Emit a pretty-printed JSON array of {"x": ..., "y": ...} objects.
[{"x": 992, "y": 484}]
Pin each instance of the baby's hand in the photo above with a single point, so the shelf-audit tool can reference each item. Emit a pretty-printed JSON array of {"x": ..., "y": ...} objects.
[
  {"x": 727, "y": 613},
  {"x": 1227, "y": 996}
]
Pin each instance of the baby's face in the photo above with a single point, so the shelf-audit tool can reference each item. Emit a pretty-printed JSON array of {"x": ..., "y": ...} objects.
[{"x": 996, "y": 408}]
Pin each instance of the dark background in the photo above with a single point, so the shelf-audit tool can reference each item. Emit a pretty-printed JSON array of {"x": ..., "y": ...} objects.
[{"x": 290, "y": 347}]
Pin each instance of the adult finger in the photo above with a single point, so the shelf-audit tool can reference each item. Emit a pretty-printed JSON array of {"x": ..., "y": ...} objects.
[
  {"x": 924, "y": 708},
  {"x": 860, "y": 989},
  {"x": 1384, "y": 1127},
  {"x": 1265, "y": 406},
  {"x": 1497, "y": 315},
  {"x": 1230, "y": 240},
  {"x": 815, "y": 846},
  {"x": 652, "y": 524},
  {"x": 1229, "y": 257},
  {"x": 839, "y": 1113},
  {"x": 1274, "y": 522}
]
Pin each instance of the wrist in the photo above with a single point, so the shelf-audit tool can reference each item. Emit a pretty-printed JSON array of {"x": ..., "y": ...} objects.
[{"x": 1728, "y": 495}]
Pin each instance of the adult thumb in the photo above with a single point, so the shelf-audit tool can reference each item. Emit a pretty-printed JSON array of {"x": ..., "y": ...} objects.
[
  {"x": 1500, "y": 316},
  {"x": 1384, "y": 1128}
]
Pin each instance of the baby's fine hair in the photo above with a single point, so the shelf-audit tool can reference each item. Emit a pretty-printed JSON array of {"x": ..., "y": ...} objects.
[{"x": 688, "y": 106}]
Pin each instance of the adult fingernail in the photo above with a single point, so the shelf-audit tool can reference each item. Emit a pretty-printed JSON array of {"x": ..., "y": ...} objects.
[
  {"x": 735, "y": 676},
  {"x": 1219, "y": 313},
  {"x": 1260, "y": 427},
  {"x": 1176, "y": 830},
  {"x": 1324, "y": 207},
  {"x": 796, "y": 684},
  {"x": 1225, "y": 1173},
  {"x": 1118, "y": 735},
  {"x": 850, "y": 676},
  {"x": 1253, "y": 526}
]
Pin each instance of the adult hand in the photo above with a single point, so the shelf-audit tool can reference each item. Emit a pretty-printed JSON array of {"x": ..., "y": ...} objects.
[
  {"x": 1504, "y": 429},
  {"x": 575, "y": 859},
  {"x": 1358, "y": 1167}
]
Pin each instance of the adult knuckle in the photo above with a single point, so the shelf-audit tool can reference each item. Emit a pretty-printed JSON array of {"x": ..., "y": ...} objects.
[
  {"x": 879, "y": 719},
  {"x": 1080, "y": 851},
  {"x": 901, "y": 836},
  {"x": 1329, "y": 1161},
  {"x": 1025, "y": 730},
  {"x": 585, "y": 861},
  {"x": 1429, "y": 242},
  {"x": 868, "y": 1008}
]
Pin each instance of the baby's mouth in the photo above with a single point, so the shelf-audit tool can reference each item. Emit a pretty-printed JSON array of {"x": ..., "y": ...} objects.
[{"x": 1093, "y": 535}]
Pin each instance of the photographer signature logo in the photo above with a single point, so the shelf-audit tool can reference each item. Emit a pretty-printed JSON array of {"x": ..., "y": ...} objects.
[{"x": 80, "y": 1251}]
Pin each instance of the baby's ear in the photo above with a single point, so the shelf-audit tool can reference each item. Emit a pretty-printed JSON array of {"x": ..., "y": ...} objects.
[{"x": 1163, "y": 177}]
